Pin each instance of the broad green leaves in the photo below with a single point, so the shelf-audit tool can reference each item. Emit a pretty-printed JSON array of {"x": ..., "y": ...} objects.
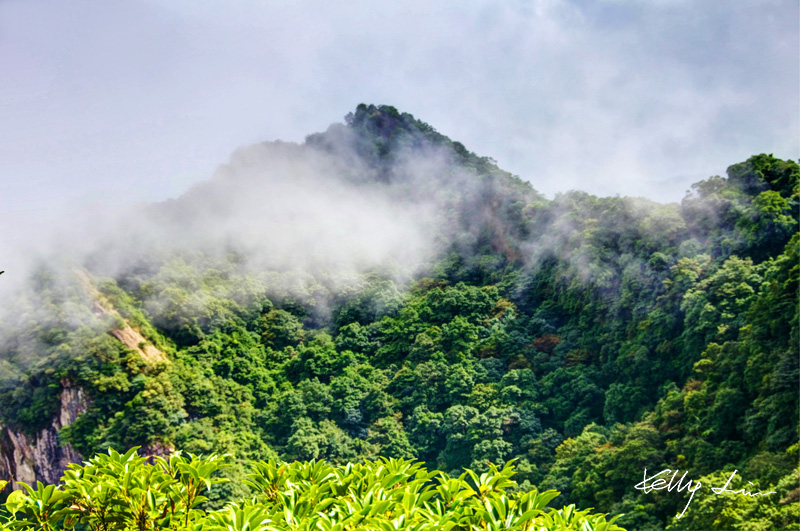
[{"x": 129, "y": 492}]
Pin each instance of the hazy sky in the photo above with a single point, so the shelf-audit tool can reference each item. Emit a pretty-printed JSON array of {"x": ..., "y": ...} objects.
[{"x": 109, "y": 103}]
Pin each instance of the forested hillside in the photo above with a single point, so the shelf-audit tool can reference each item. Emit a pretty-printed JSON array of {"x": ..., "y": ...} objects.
[{"x": 380, "y": 291}]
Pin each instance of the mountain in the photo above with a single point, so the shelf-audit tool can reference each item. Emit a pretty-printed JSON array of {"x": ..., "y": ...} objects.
[{"x": 379, "y": 290}]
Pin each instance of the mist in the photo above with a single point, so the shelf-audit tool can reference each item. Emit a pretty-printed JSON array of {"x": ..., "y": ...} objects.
[
  {"x": 314, "y": 223},
  {"x": 300, "y": 221},
  {"x": 310, "y": 217}
]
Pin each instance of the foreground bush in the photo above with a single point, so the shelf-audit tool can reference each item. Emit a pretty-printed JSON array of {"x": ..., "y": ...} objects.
[{"x": 128, "y": 492}]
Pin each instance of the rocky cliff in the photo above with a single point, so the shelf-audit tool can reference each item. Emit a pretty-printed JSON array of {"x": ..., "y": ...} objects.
[{"x": 43, "y": 457}]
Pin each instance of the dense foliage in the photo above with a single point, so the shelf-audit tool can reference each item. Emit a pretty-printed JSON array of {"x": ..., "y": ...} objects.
[
  {"x": 125, "y": 492},
  {"x": 587, "y": 338}
]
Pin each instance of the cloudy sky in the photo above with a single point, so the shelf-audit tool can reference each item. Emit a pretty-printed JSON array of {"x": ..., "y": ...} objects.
[{"x": 112, "y": 103}]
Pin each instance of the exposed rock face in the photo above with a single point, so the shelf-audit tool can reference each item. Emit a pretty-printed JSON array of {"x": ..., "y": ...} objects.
[
  {"x": 156, "y": 449},
  {"x": 129, "y": 336},
  {"x": 41, "y": 458}
]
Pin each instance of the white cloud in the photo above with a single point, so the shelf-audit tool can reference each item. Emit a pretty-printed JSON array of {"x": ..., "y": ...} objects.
[{"x": 136, "y": 101}]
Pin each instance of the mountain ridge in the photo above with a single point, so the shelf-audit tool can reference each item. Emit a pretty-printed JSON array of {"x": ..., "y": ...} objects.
[{"x": 381, "y": 291}]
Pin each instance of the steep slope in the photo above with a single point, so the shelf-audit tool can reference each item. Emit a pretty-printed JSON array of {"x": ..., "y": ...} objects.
[
  {"x": 122, "y": 330},
  {"x": 29, "y": 456}
]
